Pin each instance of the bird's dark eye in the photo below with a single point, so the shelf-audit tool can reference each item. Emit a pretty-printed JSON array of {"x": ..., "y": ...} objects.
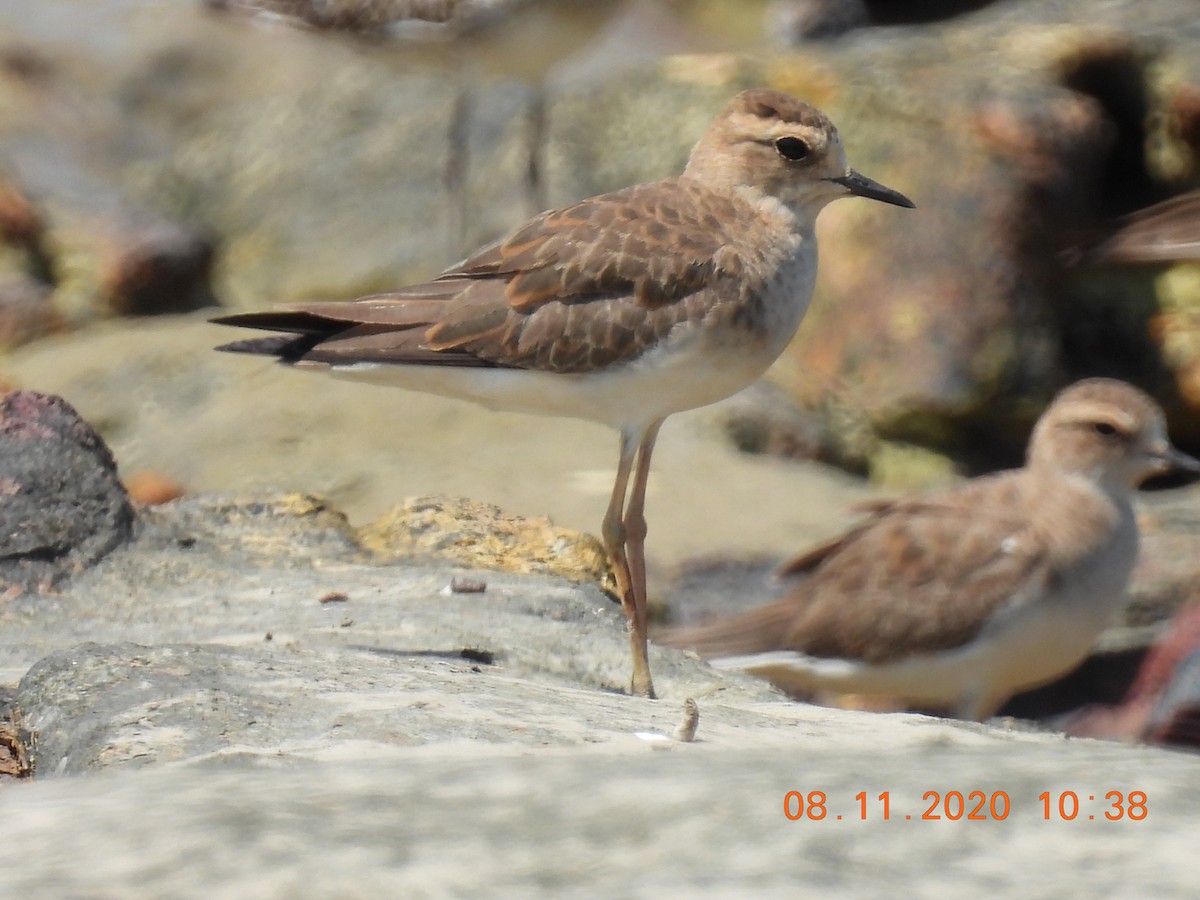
[
  {"x": 791, "y": 148},
  {"x": 1104, "y": 429}
]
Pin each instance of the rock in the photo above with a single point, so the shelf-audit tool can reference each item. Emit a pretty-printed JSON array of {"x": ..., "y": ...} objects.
[
  {"x": 251, "y": 528},
  {"x": 373, "y": 16},
  {"x": 26, "y": 311},
  {"x": 70, "y": 211},
  {"x": 245, "y": 659},
  {"x": 637, "y": 36},
  {"x": 1161, "y": 702},
  {"x": 792, "y": 22},
  {"x": 26, "y": 271},
  {"x": 761, "y": 420},
  {"x": 1165, "y": 576},
  {"x": 229, "y": 618},
  {"x": 163, "y": 268},
  {"x": 15, "y": 761},
  {"x": 1176, "y": 718},
  {"x": 482, "y": 536},
  {"x": 62, "y": 507},
  {"x": 24, "y": 254},
  {"x": 516, "y": 822}
]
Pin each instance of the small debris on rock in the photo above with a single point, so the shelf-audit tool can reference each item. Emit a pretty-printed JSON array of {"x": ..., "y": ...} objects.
[
  {"x": 334, "y": 597},
  {"x": 656, "y": 740},
  {"x": 15, "y": 759},
  {"x": 686, "y": 732}
]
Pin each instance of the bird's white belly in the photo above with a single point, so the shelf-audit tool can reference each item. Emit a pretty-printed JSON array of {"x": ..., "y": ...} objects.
[
  {"x": 643, "y": 391},
  {"x": 1043, "y": 642}
]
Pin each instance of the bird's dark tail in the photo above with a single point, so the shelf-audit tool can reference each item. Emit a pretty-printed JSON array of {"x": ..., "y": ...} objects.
[
  {"x": 302, "y": 333},
  {"x": 754, "y": 631},
  {"x": 287, "y": 348}
]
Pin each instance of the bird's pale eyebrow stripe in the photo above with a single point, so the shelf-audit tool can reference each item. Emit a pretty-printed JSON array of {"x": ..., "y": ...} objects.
[{"x": 1091, "y": 413}]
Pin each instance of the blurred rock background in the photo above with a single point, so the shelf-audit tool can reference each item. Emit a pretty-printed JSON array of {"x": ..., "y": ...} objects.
[{"x": 159, "y": 158}]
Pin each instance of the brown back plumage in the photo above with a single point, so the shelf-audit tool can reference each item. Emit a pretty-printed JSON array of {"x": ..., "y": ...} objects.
[
  {"x": 513, "y": 304},
  {"x": 918, "y": 577}
]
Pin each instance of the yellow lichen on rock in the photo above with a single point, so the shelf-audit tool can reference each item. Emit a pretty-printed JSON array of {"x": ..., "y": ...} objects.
[{"x": 481, "y": 536}]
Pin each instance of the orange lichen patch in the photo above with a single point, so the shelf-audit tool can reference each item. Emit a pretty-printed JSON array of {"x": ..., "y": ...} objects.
[{"x": 150, "y": 488}]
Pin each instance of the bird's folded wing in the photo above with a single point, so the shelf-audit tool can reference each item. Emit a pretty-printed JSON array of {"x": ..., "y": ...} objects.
[
  {"x": 574, "y": 290},
  {"x": 920, "y": 577}
]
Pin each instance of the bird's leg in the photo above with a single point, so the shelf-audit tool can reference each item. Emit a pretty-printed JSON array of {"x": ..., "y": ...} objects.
[
  {"x": 615, "y": 539},
  {"x": 635, "y": 551}
]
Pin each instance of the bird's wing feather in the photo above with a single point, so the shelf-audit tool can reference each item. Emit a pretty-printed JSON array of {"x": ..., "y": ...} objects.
[
  {"x": 919, "y": 577},
  {"x": 1165, "y": 232},
  {"x": 574, "y": 290}
]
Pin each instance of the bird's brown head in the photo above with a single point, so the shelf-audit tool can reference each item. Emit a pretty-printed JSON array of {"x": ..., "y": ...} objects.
[
  {"x": 1108, "y": 431},
  {"x": 781, "y": 146}
]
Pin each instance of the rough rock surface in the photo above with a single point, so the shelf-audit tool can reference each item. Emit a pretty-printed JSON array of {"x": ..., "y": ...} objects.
[
  {"x": 706, "y": 819},
  {"x": 234, "y": 729},
  {"x": 192, "y": 676}
]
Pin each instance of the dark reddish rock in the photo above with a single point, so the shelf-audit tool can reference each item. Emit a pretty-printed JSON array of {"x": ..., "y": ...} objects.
[
  {"x": 62, "y": 506},
  {"x": 162, "y": 267},
  {"x": 21, "y": 223},
  {"x": 1176, "y": 719},
  {"x": 1162, "y": 704}
]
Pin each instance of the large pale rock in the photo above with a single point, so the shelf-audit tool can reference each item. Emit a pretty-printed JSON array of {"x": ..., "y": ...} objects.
[
  {"x": 246, "y": 660},
  {"x": 706, "y": 820}
]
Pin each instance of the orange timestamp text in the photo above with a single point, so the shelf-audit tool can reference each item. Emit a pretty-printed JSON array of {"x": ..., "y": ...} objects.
[{"x": 971, "y": 806}]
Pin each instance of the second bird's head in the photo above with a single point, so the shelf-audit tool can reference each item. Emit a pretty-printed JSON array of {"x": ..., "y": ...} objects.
[{"x": 1108, "y": 431}]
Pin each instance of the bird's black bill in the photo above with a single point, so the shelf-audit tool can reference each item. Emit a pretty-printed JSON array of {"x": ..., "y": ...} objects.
[{"x": 865, "y": 187}]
